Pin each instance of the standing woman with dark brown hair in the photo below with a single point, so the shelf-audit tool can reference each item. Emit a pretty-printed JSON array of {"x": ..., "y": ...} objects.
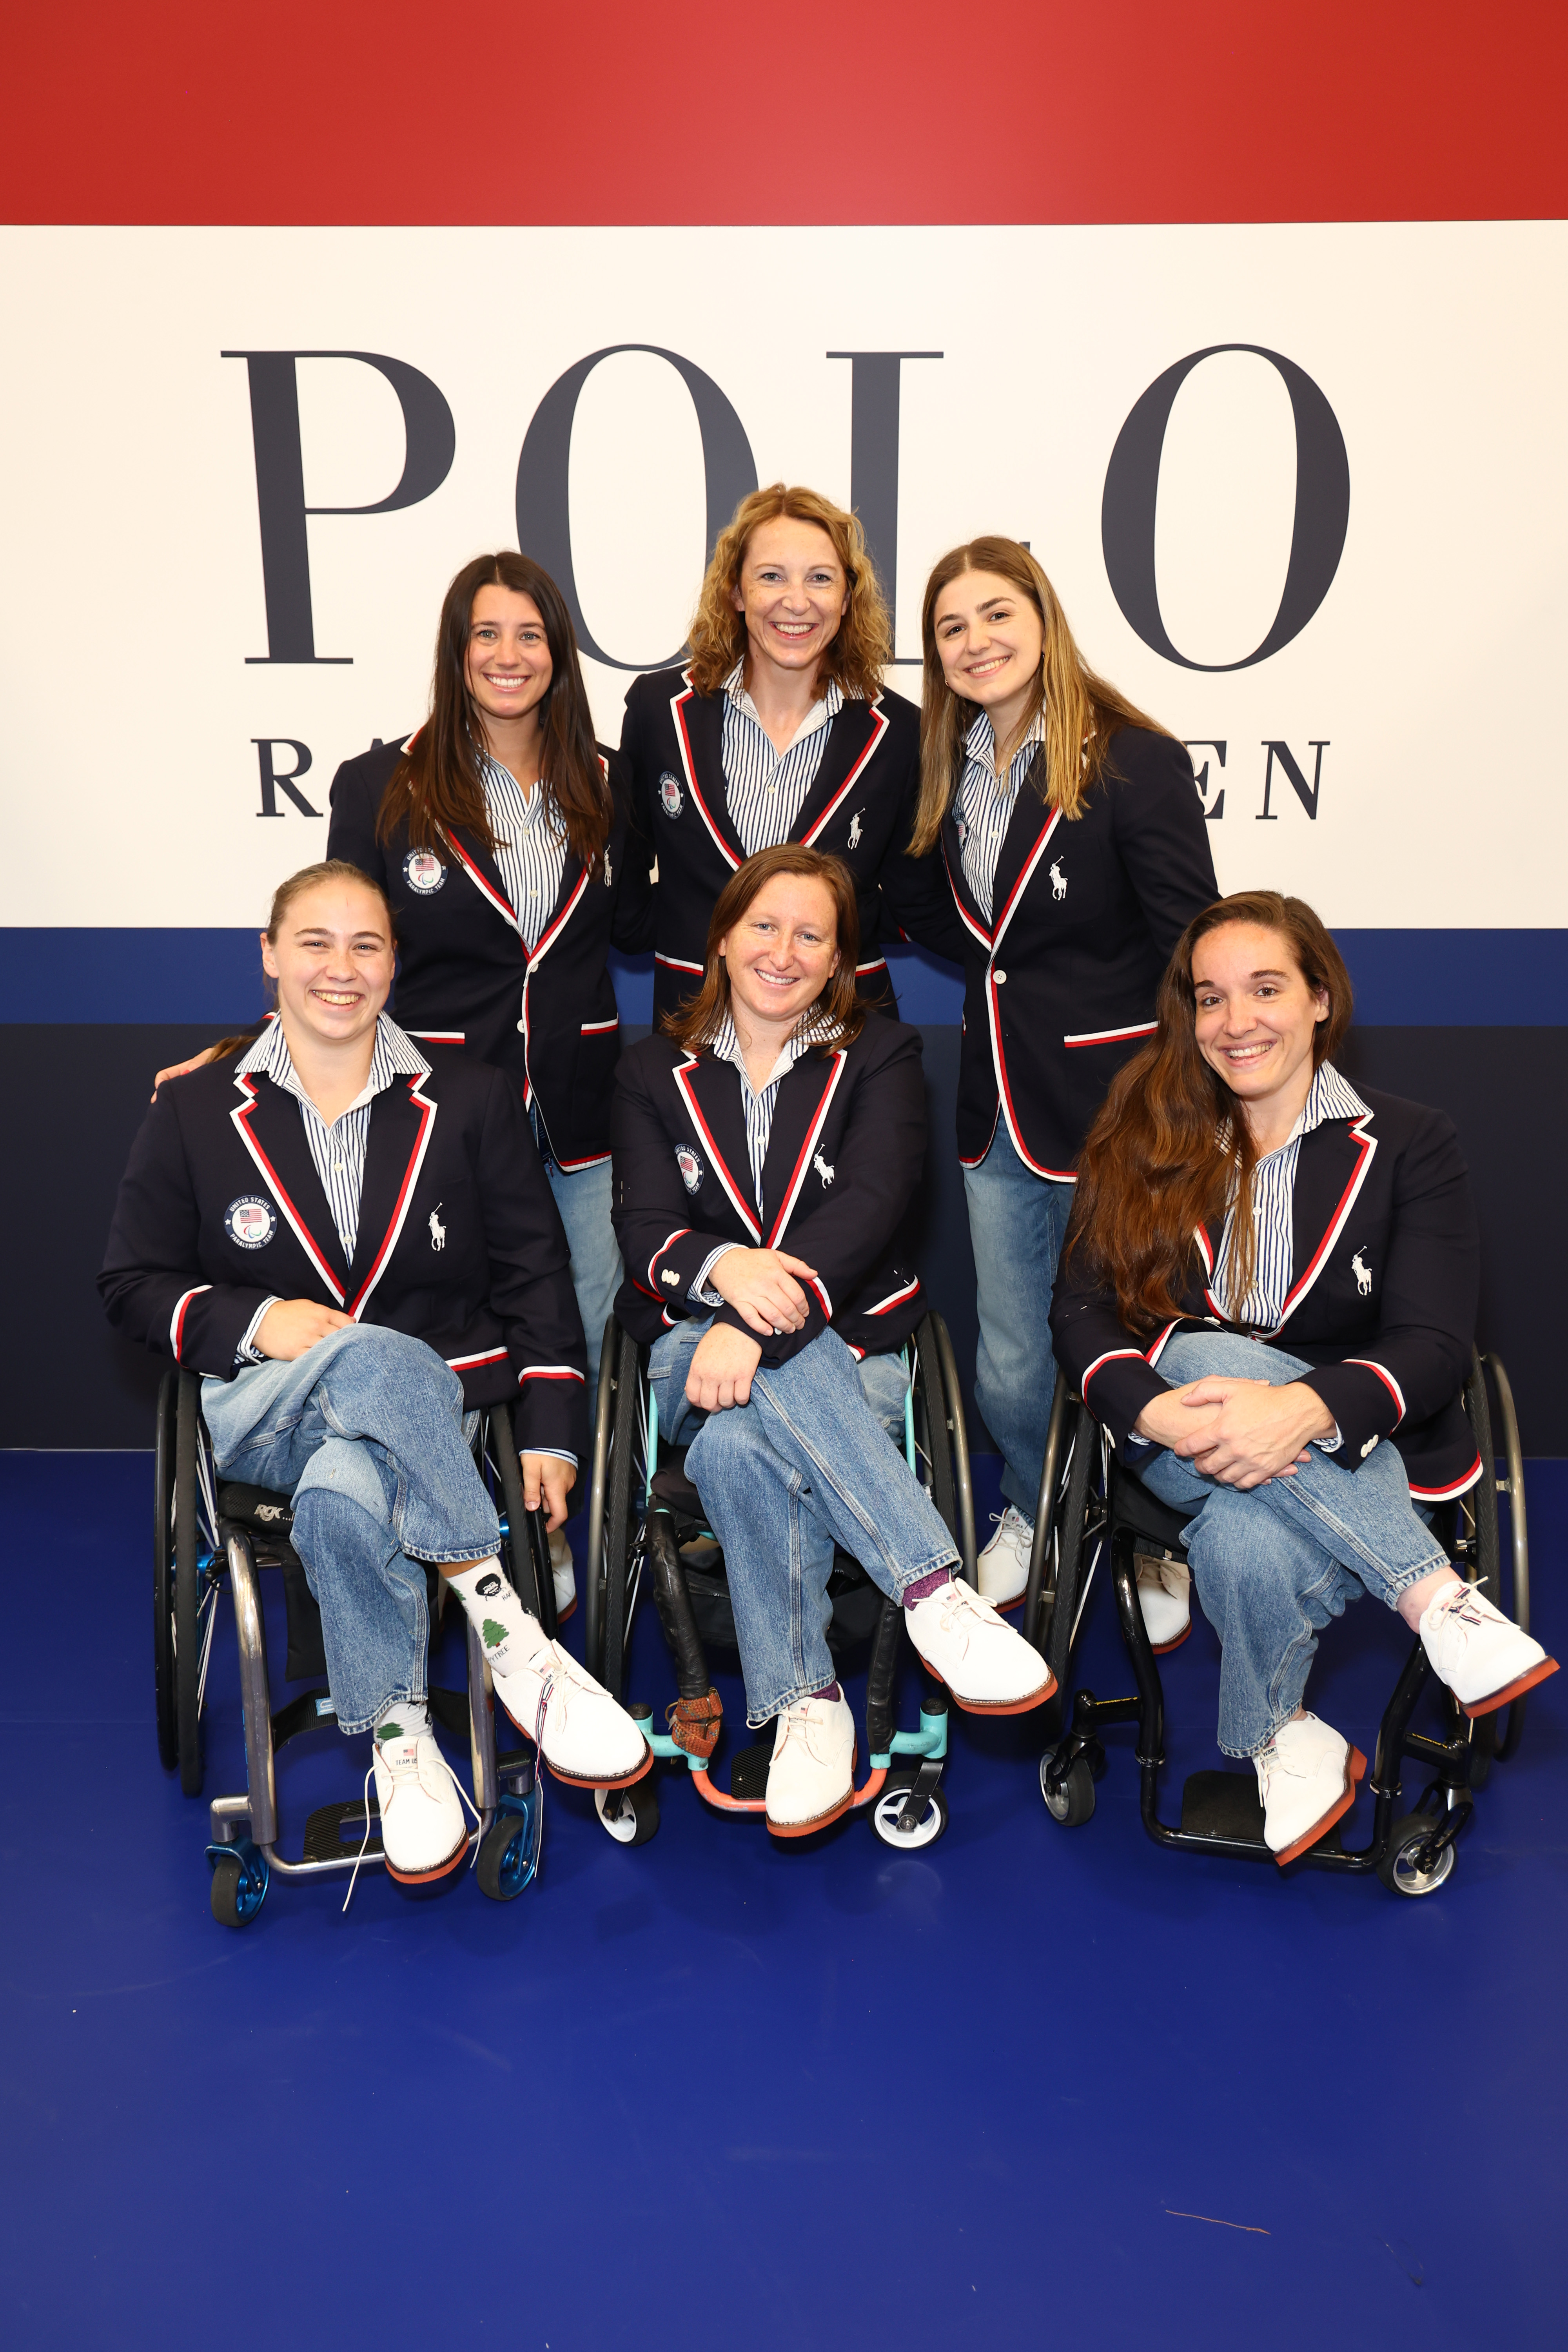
[
  {"x": 778, "y": 729},
  {"x": 501, "y": 834},
  {"x": 1075, "y": 848}
]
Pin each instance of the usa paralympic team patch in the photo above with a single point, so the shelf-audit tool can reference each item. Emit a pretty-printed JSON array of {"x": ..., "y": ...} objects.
[
  {"x": 423, "y": 872},
  {"x": 691, "y": 1168},
  {"x": 250, "y": 1222},
  {"x": 670, "y": 794}
]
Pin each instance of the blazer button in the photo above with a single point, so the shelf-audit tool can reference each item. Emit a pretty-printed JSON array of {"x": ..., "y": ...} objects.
[
  {"x": 999, "y": 977},
  {"x": 533, "y": 968},
  {"x": 523, "y": 1028}
]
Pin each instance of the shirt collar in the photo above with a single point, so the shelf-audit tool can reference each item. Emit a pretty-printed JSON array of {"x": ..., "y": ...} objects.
[
  {"x": 827, "y": 707},
  {"x": 394, "y": 1054},
  {"x": 816, "y": 1028},
  {"x": 1329, "y": 1097},
  {"x": 980, "y": 743}
]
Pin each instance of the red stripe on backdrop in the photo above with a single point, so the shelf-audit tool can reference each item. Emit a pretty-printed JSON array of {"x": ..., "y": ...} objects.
[{"x": 618, "y": 112}]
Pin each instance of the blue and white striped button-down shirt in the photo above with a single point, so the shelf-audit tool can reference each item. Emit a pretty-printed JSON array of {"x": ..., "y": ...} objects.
[
  {"x": 1273, "y": 1203},
  {"x": 767, "y": 789},
  {"x": 759, "y": 1105},
  {"x": 531, "y": 847},
  {"x": 985, "y": 801}
]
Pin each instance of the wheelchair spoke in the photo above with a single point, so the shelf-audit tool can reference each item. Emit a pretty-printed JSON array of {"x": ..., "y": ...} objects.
[{"x": 208, "y": 1610}]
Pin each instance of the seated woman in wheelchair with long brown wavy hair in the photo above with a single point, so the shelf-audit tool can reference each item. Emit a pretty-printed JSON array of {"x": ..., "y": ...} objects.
[{"x": 1267, "y": 1275}]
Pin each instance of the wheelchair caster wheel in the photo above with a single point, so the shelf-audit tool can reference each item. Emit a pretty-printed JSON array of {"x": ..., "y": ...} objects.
[
  {"x": 240, "y": 1878},
  {"x": 508, "y": 1851},
  {"x": 630, "y": 1815},
  {"x": 1400, "y": 1869},
  {"x": 1070, "y": 1802},
  {"x": 890, "y": 1805}
]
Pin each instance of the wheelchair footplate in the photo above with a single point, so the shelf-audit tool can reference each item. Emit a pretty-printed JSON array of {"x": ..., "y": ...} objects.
[{"x": 1225, "y": 1805}]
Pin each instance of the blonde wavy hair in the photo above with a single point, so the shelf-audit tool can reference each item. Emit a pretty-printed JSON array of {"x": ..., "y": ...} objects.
[
  {"x": 864, "y": 641},
  {"x": 1082, "y": 709}
]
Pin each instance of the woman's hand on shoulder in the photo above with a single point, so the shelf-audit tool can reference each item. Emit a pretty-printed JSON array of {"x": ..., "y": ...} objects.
[
  {"x": 181, "y": 1069},
  {"x": 720, "y": 1374},
  {"x": 1249, "y": 1432},
  {"x": 759, "y": 1284},
  {"x": 292, "y": 1325}
]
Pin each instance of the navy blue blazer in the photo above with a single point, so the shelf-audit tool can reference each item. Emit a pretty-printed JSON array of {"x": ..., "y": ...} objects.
[
  {"x": 844, "y": 1154},
  {"x": 1059, "y": 982},
  {"x": 1382, "y": 1304},
  {"x": 459, "y": 1242},
  {"x": 860, "y": 807},
  {"x": 465, "y": 978}
]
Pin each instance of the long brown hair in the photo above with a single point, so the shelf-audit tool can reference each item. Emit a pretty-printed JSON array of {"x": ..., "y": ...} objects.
[
  {"x": 863, "y": 642},
  {"x": 437, "y": 785},
  {"x": 838, "y": 1008},
  {"x": 1169, "y": 1151},
  {"x": 1082, "y": 709}
]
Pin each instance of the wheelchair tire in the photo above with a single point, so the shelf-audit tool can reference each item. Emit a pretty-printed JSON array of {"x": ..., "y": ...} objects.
[
  {"x": 629, "y": 1815},
  {"x": 885, "y": 1814},
  {"x": 187, "y": 1610},
  {"x": 239, "y": 1884},
  {"x": 942, "y": 1435},
  {"x": 530, "y": 1579},
  {"x": 598, "y": 1476},
  {"x": 163, "y": 1692},
  {"x": 507, "y": 1859},
  {"x": 1071, "y": 1521},
  {"x": 1397, "y": 1869},
  {"x": 623, "y": 1506},
  {"x": 1073, "y": 1803}
]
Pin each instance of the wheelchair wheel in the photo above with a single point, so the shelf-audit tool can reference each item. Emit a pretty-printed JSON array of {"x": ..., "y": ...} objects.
[
  {"x": 507, "y": 1859},
  {"x": 1072, "y": 1804},
  {"x": 1078, "y": 1530},
  {"x": 888, "y": 1806},
  {"x": 164, "y": 1572},
  {"x": 942, "y": 1438},
  {"x": 189, "y": 1549},
  {"x": 630, "y": 1815},
  {"x": 1478, "y": 1533},
  {"x": 1400, "y": 1869},
  {"x": 241, "y": 1879},
  {"x": 620, "y": 1421},
  {"x": 522, "y": 1531}
]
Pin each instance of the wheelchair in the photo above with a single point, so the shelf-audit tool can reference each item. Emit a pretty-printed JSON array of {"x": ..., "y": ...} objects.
[
  {"x": 1092, "y": 1506},
  {"x": 210, "y": 1533},
  {"x": 645, "y": 1527}
]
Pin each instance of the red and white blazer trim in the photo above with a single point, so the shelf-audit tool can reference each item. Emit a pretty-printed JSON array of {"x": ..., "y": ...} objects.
[
  {"x": 803, "y": 1161},
  {"x": 1203, "y": 1242},
  {"x": 879, "y": 726},
  {"x": 575, "y": 1167},
  {"x": 466, "y": 1363},
  {"x": 1111, "y": 1036},
  {"x": 1110, "y": 1356},
  {"x": 678, "y": 712},
  {"x": 241, "y": 1116},
  {"x": 893, "y": 1299},
  {"x": 597, "y": 1028},
  {"x": 677, "y": 963},
  {"x": 1447, "y": 1494},
  {"x": 177, "y": 1320},
  {"x": 405, "y": 1193},
  {"x": 813, "y": 1282},
  {"x": 659, "y": 1252},
  {"x": 738, "y": 1200},
  {"x": 1386, "y": 1377},
  {"x": 549, "y": 1372},
  {"x": 439, "y": 1036},
  {"x": 1367, "y": 1145}
]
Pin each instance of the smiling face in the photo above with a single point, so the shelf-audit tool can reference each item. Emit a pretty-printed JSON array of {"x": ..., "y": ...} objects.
[
  {"x": 783, "y": 953},
  {"x": 1256, "y": 1016},
  {"x": 333, "y": 961},
  {"x": 991, "y": 641},
  {"x": 794, "y": 593},
  {"x": 508, "y": 664}
]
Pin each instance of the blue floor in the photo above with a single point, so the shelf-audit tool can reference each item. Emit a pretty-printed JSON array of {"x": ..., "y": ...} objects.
[{"x": 1032, "y": 2084}]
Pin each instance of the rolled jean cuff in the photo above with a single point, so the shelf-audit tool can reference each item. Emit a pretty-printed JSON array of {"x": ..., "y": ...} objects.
[
  {"x": 489, "y": 1550},
  {"x": 399, "y": 1698},
  {"x": 903, "y": 1578}
]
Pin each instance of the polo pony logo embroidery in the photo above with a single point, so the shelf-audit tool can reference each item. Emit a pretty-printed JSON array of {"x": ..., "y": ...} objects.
[
  {"x": 1059, "y": 879},
  {"x": 437, "y": 1230},
  {"x": 855, "y": 829},
  {"x": 690, "y": 1167},
  {"x": 1363, "y": 1273},
  {"x": 669, "y": 799},
  {"x": 822, "y": 1168}
]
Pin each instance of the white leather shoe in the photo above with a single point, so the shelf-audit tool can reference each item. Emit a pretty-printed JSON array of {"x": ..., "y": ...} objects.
[
  {"x": 1305, "y": 1777},
  {"x": 1165, "y": 1599},
  {"x": 584, "y": 1736},
  {"x": 562, "y": 1576},
  {"x": 422, "y": 1833},
  {"x": 811, "y": 1780},
  {"x": 989, "y": 1668},
  {"x": 1484, "y": 1659},
  {"x": 1003, "y": 1565}
]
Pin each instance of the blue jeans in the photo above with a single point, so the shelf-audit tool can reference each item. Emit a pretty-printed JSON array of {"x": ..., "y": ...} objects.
[
  {"x": 1273, "y": 1564},
  {"x": 365, "y": 1430},
  {"x": 805, "y": 1464},
  {"x": 1016, "y": 1220},
  {"x": 582, "y": 1198}
]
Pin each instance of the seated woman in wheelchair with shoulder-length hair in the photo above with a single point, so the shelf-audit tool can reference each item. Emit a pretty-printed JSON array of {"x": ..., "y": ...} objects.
[
  {"x": 1267, "y": 1275},
  {"x": 776, "y": 1107},
  {"x": 353, "y": 1247}
]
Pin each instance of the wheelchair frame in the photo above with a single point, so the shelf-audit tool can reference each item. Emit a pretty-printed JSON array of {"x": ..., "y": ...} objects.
[
  {"x": 207, "y": 1533},
  {"x": 1085, "y": 1501},
  {"x": 907, "y": 1807}
]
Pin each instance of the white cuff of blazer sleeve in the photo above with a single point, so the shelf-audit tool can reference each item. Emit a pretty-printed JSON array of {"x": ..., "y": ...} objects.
[
  {"x": 247, "y": 1352},
  {"x": 550, "y": 1454},
  {"x": 1333, "y": 1443}
]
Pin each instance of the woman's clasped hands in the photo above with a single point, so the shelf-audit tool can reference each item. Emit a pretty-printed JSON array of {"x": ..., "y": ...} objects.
[
  {"x": 760, "y": 1285},
  {"x": 1239, "y": 1433}
]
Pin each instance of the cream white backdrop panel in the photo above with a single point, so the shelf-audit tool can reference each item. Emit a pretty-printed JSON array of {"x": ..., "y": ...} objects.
[{"x": 133, "y": 591}]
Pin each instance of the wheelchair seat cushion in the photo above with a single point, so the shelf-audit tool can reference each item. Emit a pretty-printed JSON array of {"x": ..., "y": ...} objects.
[
  {"x": 1134, "y": 1506},
  {"x": 671, "y": 1486},
  {"x": 258, "y": 1508}
]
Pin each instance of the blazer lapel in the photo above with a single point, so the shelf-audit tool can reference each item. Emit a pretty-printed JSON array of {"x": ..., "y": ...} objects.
[
  {"x": 700, "y": 735},
  {"x": 1330, "y": 1169},
  {"x": 710, "y": 1091},
  {"x": 799, "y": 1116},
  {"x": 402, "y": 1118},
  {"x": 573, "y": 882},
  {"x": 269, "y": 1124},
  {"x": 852, "y": 739},
  {"x": 953, "y": 852},
  {"x": 1029, "y": 828},
  {"x": 483, "y": 873}
]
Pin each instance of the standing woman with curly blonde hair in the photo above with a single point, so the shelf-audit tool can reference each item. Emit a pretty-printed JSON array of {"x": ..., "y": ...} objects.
[
  {"x": 778, "y": 729},
  {"x": 1075, "y": 847}
]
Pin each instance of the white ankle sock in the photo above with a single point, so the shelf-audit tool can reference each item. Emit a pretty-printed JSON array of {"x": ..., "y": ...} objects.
[
  {"x": 403, "y": 1718},
  {"x": 510, "y": 1634}
]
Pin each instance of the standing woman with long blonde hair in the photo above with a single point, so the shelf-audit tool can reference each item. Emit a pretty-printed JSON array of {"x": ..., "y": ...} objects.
[
  {"x": 778, "y": 729},
  {"x": 1074, "y": 843}
]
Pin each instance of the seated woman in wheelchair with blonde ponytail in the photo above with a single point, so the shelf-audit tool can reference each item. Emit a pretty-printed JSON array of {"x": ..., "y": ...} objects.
[
  {"x": 1267, "y": 1297},
  {"x": 353, "y": 1247},
  {"x": 766, "y": 1149}
]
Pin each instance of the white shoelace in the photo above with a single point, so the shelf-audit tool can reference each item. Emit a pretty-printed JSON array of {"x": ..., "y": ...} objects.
[{"x": 412, "y": 1765}]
